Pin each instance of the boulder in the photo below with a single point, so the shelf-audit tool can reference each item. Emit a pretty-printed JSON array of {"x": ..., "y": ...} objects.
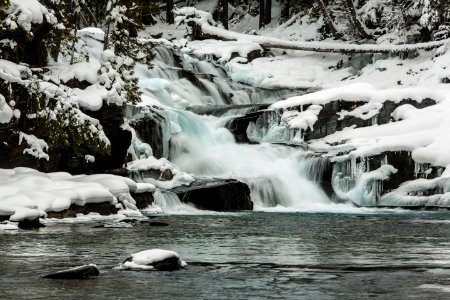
[
  {"x": 81, "y": 272},
  {"x": 154, "y": 259},
  {"x": 216, "y": 195}
]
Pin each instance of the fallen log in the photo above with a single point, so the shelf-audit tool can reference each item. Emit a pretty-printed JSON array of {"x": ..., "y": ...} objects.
[{"x": 200, "y": 23}]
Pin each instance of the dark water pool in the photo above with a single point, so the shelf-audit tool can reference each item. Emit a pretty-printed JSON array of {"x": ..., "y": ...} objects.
[{"x": 240, "y": 256}]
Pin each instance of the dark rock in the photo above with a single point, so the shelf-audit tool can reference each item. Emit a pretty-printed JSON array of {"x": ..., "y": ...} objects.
[
  {"x": 81, "y": 272},
  {"x": 143, "y": 200},
  {"x": 166, "y": 175},
  {"x": 149, "y": 129},
  {"x": 405, "y": 165},
  {"x": 111, "y": 119},
  {"x": 101, "y": 208},
  {"x": 216, "y": 195},
  {"x": 238, "y": 126},
  {"x": 168, "y": 264},
  {"x": 384, "y": 116},
  {"x": 75, "y": 83},
  {"x": 158, "y": 224},
  {"x": 30, "y": 224}
]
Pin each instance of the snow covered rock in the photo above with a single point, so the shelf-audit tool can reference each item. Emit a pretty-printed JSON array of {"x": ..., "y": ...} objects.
[
  {"x": 26, "y": 194},
  {"x": 154, "y": 259},
  {"x": 81, "y": 272}
]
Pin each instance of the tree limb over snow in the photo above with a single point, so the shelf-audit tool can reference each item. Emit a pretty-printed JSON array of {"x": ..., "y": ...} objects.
[{"x": 201, "y": 21}]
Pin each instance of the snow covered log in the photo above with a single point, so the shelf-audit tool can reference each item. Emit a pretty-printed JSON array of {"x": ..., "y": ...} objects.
[{"x": 202, "y": 28}]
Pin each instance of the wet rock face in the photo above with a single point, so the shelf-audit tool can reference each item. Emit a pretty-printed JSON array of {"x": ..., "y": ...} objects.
[
  {"x": 149, "y": 129},
  {"x": 238, "y": 126},
  {"x": 328, "y": 121},
  {"x": 217, "y": 195},
  {"x": 407, "y": 168},
  {"x": 111, "y": 118},
  {"x": 81, "y": 272},
  {"x": 143, "y": 200}
]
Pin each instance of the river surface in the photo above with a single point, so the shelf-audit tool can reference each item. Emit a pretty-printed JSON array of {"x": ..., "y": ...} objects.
[{"x": 255, "y": 255}]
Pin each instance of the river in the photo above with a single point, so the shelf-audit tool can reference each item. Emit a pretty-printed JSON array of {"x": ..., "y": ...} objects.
[{"x": 255, "y": 255}]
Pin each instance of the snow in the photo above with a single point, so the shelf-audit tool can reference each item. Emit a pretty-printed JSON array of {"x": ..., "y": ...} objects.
[
  {"x": 223, "y": 50},
  {"x": 8, "y": 226},
  {"x": 204, "y": 19},
  {"x": 151, "y": 163},
  {"x": 27, "y": 12},
  {"x": 28, "y": 194},
  {"x": 6, "y": 113},
  {"x": 365, "y": 92},
  {"x": 144, "y": 259},
  {"x": 37, "y": 146}
]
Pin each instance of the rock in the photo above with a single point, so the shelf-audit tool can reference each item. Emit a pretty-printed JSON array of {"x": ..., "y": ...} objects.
[
  {"x": 81, "y": 272},
  {"x": 166, "y": 175},
  {"x": 216, "y": 195},
  {"x": 101, "y": 208},
  {"x": 150, "y": 129},
  {"x": 154, "y": 259},
  {"x": 143, "y": 200},
  {"x": 238, "y": 126},
  {"x": 30, "y": 224},
  {"x": 158, "y": 224}
]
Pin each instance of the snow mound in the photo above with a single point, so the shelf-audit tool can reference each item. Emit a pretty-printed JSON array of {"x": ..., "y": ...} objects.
[
  {"x": 26, "y": 194},
  {"x": 153, "y": 259}
]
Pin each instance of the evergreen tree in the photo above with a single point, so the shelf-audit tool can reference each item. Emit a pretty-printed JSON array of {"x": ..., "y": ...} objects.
[{"x": 121, "y": 37}]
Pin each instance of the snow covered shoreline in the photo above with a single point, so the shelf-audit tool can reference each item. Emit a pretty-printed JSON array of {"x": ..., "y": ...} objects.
[{"x": 26, "y": 194}]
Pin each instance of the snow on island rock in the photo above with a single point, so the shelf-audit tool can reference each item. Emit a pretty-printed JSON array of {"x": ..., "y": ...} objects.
[
  {"x": 26, "y": 194},
  {"x": 154, "y": 259}
]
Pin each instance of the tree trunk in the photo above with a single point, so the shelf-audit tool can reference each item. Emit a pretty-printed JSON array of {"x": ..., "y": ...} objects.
[
  {"x": 355, "y": 21},
  {"x": 328, "y": 20},
  {"x": 169, "y": 12},
  {"x": 262, "y": 14},
  {"x": 268, "y": 12},
  {"x": 224, "y": 14},
  {"x": 285, "y": 10}
]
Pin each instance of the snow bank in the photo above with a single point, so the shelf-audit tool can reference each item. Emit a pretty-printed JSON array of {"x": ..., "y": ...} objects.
[
  {"x": 365, "y": 92},
  {"x": 145, "y": 260},
  {"x": 28, "y": 194}
]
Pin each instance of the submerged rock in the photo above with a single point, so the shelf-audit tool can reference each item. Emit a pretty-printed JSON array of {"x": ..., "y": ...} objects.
[
  {"x": 158, "y": 224},
  {"x": 81, "y": 272},
  {"x": 154, "y": 259}
]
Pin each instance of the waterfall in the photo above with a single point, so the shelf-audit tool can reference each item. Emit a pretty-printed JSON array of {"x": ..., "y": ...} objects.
[
  {"x": 277, "y": 175},
  {"x": 179, "y": 80}
]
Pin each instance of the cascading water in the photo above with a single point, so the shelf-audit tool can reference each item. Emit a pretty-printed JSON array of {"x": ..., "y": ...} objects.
[
  {"x": 179, "y": 80},
  {"x": 277, "y": 175}
]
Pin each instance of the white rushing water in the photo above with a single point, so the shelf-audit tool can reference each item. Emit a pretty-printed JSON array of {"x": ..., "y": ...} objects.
[
  {"x": 277, "y": 175},
  {"x": 179, "y": 80}
]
